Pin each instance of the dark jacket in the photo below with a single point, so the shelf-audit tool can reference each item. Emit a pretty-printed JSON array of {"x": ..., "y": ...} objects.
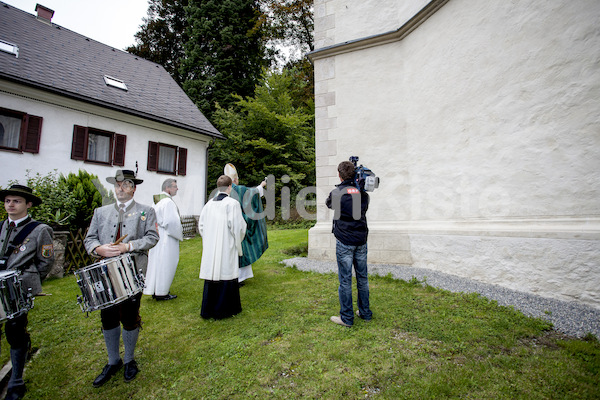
[
  {"x": 350, "y": 208},
  {"x": 34, "y": 256}
]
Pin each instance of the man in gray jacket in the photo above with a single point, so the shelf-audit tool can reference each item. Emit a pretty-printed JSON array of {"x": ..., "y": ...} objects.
[
  {"x": 25, "y": 245},
  {"x": 136, "y": 223}
]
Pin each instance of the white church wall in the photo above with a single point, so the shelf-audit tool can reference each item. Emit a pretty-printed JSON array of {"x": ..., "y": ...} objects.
[{"x": 483, "y": 126}]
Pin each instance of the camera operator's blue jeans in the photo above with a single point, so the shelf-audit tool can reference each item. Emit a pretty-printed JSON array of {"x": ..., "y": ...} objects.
[{"x": 347, "y": 256}]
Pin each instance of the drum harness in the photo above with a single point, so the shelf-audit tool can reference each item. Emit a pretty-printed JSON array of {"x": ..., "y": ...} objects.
[{"x": 27, "y": 229}]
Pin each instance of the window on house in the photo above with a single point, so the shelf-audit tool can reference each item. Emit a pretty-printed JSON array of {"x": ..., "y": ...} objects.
[
  {"x": 98, "y": 146},
  {"x": 167, "y": 159},
  {"x": 114, "y": 82},
  {"x": 20, "y": 131},
  {"x": 9, "y": 48}
]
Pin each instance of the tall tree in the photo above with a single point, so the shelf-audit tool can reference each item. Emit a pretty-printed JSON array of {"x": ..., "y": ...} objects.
[
  {"x": 225, "y": 53},
  {"x": 270, "y": 133},
  {"x": 162, "y": 36},
  {"x": 291, "y": 22}
]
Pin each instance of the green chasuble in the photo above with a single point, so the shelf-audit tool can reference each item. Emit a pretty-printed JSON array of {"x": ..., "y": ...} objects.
[
  {"x": 159, "y": 197},
  {"x": 255, "y": 242}
]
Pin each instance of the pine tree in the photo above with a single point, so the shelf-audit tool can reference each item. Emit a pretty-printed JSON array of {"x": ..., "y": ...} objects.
[
  {"x": 162, "y": 37},
  {"x": 225, "y": 53}
]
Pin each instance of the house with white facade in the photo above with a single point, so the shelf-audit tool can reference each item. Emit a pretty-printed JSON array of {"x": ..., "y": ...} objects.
[
  {"x": 482, "y": 120},
  {"x": 68, "y": 102}
]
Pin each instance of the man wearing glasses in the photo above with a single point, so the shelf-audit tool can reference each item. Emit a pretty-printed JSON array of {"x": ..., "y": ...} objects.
[{"x": 115, "y": 229}]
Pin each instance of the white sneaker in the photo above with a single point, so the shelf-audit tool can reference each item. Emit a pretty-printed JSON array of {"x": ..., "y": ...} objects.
[{"x": 337, "y": 320}]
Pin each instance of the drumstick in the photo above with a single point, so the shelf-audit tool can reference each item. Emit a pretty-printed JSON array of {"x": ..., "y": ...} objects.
[{"x": 119, "y": 240}]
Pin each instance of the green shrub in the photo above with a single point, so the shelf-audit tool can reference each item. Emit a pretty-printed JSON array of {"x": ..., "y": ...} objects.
[
  {"x": 58, "y": 208},
  {"x": 68, "y": 203},
  {"x": 88, "y": 194}
]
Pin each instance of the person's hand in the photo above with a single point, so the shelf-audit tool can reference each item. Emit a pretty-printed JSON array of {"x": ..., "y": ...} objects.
[{"x": 111, "y": 250}]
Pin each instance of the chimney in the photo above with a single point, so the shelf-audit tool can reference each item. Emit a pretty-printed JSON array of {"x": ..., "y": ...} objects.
[{"x": 44, "y": 14}]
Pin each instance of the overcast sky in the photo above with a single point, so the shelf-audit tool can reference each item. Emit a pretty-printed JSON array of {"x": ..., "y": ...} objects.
[{"x": 112, "y": 22}]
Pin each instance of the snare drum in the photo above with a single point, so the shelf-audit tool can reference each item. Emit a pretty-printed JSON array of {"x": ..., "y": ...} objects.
[
  {"x": 108, "y": 282},
  {"x": 14, "y": 301}
]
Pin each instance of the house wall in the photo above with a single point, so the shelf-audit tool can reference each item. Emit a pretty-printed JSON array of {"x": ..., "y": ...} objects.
[
  {"x": 59, "y": 116},
  {"x": 483, "y": 125}
]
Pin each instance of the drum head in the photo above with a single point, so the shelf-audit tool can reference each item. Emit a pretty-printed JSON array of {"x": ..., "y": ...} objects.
[{"x": 5, "y": 274}]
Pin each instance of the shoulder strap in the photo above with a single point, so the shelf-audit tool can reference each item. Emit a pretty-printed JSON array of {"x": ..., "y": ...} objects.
[
  {"x": 27, "y": 229},
  {"x": 16, "y": 241}
]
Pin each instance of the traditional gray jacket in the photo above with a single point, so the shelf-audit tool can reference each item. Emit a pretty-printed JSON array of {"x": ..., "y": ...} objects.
[
  {"x": 34, "y": 256},
  {"x": 139, "y": 224}
]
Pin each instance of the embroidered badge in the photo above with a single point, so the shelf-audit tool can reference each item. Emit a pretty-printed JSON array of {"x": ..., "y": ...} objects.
[
  {"x": 47, "y": 250},
  {"x": 352, "y": 191},
  {"x": 22, "y": 248}
]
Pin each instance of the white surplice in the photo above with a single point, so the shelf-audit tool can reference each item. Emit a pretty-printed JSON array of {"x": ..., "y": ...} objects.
[
  {"x": 164, "y": 257},
  {"x": 222, "y": 227}
]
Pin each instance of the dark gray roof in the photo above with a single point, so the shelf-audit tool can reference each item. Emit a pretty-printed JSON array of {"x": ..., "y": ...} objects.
[{"x": 61, "y": 61}]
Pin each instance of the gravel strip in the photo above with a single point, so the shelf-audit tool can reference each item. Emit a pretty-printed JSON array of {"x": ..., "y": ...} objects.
[{"x": 569, "y": 318}]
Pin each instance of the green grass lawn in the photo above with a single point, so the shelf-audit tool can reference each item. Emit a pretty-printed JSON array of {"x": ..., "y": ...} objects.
[{"x": 423, "y": 343}]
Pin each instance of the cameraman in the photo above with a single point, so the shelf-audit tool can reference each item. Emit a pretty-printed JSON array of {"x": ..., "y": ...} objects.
[{"x": 350, "y": 230}]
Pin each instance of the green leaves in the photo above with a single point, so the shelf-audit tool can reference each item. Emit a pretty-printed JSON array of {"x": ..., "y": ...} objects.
[
  {"x": 86, "y": 196},
  {"x": 270, "y": 133},
  {"x": 224, "y": 53}
]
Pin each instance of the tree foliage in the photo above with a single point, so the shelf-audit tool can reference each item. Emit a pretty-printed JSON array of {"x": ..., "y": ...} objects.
[
  {"x": 163, "y": 35},
  {"x": 290, "y": 22},
  {"x": 270, "y": 133},
  {"x": 68, "y": 203},
  {"x": 58, "y": 208},
  {"x": 282, "y": 27},
  {"x": 88, "y": 194},
  {"x": 225, "y": 52}
]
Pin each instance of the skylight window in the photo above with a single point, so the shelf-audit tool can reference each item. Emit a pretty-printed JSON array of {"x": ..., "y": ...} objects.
[
  {"x": 110, "y": 81},
  {"x": 9, "y": 48}
]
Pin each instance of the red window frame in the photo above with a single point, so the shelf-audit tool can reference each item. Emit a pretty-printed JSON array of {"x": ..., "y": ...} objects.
[
  {"x": 179, "y": 164},
  {"x": 80, "y": 144},
  {"x": 30, "y": 134}
]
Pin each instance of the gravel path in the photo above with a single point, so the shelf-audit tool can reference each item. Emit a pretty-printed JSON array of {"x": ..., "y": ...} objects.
[{"x": 570, "y": 318}]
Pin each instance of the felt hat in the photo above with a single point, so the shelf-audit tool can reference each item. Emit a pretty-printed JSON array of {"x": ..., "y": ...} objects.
[
  {"x": 23, "y": 191},
  {"x": 230, "y": 171},
  {"x": 123, "y": 175}
]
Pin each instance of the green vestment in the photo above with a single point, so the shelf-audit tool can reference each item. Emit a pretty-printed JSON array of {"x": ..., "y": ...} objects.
[{"x": 255, "y": 242}]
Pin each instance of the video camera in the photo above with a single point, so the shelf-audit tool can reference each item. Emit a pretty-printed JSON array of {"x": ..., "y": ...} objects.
[{"x": 364, "y": 178}]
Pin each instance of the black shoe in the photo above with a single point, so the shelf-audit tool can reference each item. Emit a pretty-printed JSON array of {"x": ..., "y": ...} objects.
[
  {"x": 131, "y": 370},
  {"x": 15, "y": 392},
  {"x": 166, "y": 297},
  {"x": 107, "y": 372}
]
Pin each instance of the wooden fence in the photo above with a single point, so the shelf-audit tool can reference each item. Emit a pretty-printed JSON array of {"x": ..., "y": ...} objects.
[
  {"x": 190, "y": 226},
  {"x": 75, "y": 255}
]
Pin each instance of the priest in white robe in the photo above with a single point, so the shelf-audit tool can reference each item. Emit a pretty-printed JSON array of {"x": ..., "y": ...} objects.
[
  {"x": 222, "y": 227},
  {"x": 164, "y": 257}
]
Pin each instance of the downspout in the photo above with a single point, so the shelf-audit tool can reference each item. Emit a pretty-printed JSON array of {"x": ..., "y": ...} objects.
[{"x": 206, "y": 171}]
